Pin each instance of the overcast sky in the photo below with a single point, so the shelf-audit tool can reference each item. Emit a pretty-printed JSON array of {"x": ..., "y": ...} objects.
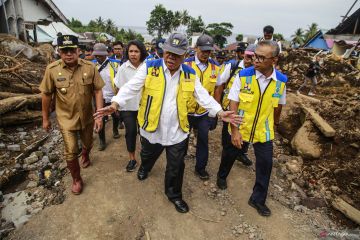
[{"x": 248, "y": 17}]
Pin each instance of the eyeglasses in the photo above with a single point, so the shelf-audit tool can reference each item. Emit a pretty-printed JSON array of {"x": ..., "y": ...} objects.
[
  {"x": 118, "y": 49},
  {"x": 259, "y": 58}
]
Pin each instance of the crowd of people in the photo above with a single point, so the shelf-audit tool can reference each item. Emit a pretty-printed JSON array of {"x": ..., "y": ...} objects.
[{"x": 161, "y": 94}]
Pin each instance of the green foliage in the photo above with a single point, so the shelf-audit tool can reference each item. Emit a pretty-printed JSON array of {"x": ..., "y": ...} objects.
[
  {"x": 161, "y": 21},
  {"x": 239, "y": 37},
  {"x": 106, "y": 26},
  {"x": 219, "y": 31},
  {"x": 311, "y": 31},
  {"x": 298, "y": 36},
  {"x": 278, "y": 36},
  {"x": 195, "y": 25}
]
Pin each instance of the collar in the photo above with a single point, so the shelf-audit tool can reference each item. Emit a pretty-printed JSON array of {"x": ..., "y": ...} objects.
[
  {"x": 272, "y": 76},
  {"x": 197, "y": 61},
  {"x": 166, "y": 68},
  {"x": 130, "y": 65},
  {"x": 241, "y": 64}
]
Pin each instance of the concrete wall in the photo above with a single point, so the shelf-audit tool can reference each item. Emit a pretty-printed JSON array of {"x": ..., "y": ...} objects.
[{"x": 33, "y": 11}]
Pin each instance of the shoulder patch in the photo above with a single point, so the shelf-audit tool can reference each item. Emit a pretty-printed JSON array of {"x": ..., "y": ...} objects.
[
  {"x": 247, "y": 72},
  {"x": 214, "y": 62},
  {"x": 54, "y": 64},
  {"x": 187, "y": 68},
  {"x": 281, "y": 77}
]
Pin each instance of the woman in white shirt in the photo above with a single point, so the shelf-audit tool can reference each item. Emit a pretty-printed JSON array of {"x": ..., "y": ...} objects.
[{"x": 136, "y": 54}]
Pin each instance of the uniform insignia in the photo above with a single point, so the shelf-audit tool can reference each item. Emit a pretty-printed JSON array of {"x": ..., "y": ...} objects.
[
  {"x": 175, "y": 41},
  {"x": 61, "y": 79},
  {"x": 155, "y": 72}
]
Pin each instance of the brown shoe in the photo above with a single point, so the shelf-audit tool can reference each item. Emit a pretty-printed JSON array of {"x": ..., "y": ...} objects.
[
  {"x": 77, "y": 184},
  {"x": 85, "y": 159}
]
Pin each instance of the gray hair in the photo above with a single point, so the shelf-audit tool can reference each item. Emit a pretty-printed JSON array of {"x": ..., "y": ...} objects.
[{"x": 274, "y": 45}]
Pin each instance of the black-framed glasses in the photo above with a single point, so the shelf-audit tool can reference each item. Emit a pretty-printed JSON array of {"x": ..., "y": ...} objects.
[{"x": 259, "y": 58}]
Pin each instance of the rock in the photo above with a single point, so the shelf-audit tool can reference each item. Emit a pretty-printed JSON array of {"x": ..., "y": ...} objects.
[
  {"x": 212, "y": 185},
  {"x": 1, "y": 196},
  {"x": 223, "y": 213},
  {"x": 335, "y": 189},
  {"x": 206, "y": 183},
  {"x": 313, "y": 203},
  {"x": 31, "y": 184},
  {"x": 14, "y": 148},
  {"x": 2, "y": 146},
  {"x": 39, "y": 154},
  {"x": 305, "y": 143},
  {"x": 354, "y": 145},
  {"x": 300, "y": 208},
  {"x": 31, "y": 159},
  {"x": 251, "y": 236},
  {"x": 292, "y": 167},
  {"x": 323, "y": 126}
]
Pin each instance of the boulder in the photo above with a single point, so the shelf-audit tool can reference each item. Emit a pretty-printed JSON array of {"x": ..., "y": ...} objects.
[{"x": 305, "y": 142}]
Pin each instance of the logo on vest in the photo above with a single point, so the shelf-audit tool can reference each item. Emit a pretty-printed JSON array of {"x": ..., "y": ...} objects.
[{"x": 155, "y": 72}]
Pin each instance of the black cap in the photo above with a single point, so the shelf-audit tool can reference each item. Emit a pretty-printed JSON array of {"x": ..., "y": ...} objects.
[
  {"x": 221, "y": 54},
  {"x": 205, "y": 43},
  {"x": 241, "y": 46},
  {"x": 67, "y": 41}
]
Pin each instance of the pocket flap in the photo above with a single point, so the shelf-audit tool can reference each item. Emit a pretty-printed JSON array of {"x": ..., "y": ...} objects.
[
  {"x": 246, "y": 97},
  {"x": 62, "y": 82}
]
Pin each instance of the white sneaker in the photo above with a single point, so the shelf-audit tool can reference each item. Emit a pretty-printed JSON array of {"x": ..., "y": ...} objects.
[{"x": 311, "y": 94}]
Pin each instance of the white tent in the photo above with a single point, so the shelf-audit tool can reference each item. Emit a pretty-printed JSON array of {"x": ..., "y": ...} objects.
[{"x": 52, "y": 30}]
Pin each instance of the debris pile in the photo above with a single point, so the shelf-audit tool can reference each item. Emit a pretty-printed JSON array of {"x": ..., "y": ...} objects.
[{"x": 21, "y": 71}]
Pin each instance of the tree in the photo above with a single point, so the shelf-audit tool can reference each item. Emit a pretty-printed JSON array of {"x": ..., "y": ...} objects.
[
  {"x": 195, "y": 25},
  {"x": 239, "y": 37},
  {"x": 100, "y": 23},
  {"x": 74, "y": 23},
  {"x": 161, "y": 21},
  {"x": 298, "y": 36},
  {"x": 128, "y": 35},
  {"x": 219, "y": 32},
  {"x": 278, "y": 36},
  {"x": 311, "y": 31}
]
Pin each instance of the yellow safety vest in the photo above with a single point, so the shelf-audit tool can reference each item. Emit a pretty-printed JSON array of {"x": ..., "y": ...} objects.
[
  {"x": 208, "y": 80},
  {"x": 154, "y": 92},
  {"x": 258, "y": 109}
]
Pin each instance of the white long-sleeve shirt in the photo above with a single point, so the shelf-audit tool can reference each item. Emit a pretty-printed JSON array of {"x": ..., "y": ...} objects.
[
  {"x": 126, "y": 72},
  {"x": 227, "y": 71},
  {"x": 168, "y": 131}
]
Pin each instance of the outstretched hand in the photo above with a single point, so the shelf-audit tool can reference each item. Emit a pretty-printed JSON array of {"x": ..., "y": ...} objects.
[
  {"x": 231, "y": 117},
  {"x": 100, "y": 113}
]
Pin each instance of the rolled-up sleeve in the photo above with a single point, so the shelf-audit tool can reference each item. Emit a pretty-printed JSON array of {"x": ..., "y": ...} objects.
[
  {"x": 47, "y": 84},
  {"x": 205, "y": 100},
  {"x": 235, "y": 89},
  {"x": 132, "y": 88}
]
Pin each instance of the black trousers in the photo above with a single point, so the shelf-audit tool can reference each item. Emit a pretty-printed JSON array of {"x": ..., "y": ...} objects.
[
  {"x": 202, "y": 124},
  {"x": 115, "y": 119},
  {"x": 225, "y": 135},
  {"x": 175, "y": 164},
  {"x": 263, "y": 166},
  {"x": 131, "y": 128}
]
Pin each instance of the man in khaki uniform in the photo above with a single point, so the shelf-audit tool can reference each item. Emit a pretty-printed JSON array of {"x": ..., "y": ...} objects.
[{"x": 74, "y": 82}]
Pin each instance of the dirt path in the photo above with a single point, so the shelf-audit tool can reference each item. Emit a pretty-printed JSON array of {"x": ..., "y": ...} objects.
[{"x": 115, "y": 205}]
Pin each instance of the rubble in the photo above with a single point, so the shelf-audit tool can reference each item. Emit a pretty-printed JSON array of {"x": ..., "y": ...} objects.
[
  {"x": 324, "y": 127},
  {"x": 305, "y": 143}
]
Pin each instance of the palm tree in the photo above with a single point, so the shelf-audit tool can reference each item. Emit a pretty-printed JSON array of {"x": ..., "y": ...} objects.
[
  {"x": 311, "y": 31},
  {"x": 109, "y": 26},
  {"x": 100, "y": 23},
  {"x": 298, "y": 36}
]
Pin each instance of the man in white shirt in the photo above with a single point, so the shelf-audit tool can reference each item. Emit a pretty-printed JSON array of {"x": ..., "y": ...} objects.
[
  {"x": 107, "y": 68},
  {"x": 166, "y": 86},
  {"x": 268, "y": 35},
  {"x": 258, "y": 94}
]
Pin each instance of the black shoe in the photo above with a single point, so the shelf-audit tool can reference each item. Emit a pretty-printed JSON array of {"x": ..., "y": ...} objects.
[
  {"x": 142, "y": 174},
  {"x": 180, "y": 205},
  {"x": 121, "y": 125},
  {"x": 243, "y": 157},
  {"x": 131, "y": 166},
  {"x": 263, "y": 210},
  {"x": 221, "y": 183},
  {"x": 102, "y": 145},
  {"x": 116, "y": 134},
  {"x": 203, "y": 174}
]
